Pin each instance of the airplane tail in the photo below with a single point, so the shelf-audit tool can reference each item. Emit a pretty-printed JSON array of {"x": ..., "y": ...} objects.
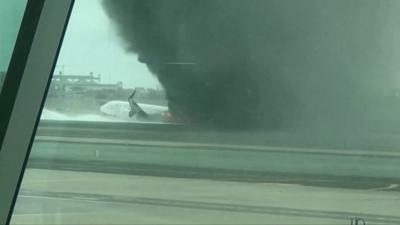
[{"x": 135, "y": 108}]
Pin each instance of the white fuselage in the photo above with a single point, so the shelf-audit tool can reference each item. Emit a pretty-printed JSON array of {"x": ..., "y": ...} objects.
[{"x": 121, "y": 109}]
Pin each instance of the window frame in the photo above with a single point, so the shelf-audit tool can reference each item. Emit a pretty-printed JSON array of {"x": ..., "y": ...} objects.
[
  {"x": 18, "y": 60},
  {"x": 25, "y": 87}
]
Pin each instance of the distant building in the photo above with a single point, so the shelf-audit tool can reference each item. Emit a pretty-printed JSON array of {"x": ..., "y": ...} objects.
[{"x": 80, "y": 85}]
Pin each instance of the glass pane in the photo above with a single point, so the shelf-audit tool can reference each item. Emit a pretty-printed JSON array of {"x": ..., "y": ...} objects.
[
  {"x": 11, "y": 12},
  {"x": 220, "y": 112}
]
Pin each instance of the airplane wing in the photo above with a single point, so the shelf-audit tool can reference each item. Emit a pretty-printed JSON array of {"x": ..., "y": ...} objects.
[{"x": 135, "y": 108}]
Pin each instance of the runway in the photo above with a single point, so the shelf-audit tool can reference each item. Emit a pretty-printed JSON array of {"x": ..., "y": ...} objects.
[
  {"x": 116, "y": 179},
  {"x": 305, "y": 166}
]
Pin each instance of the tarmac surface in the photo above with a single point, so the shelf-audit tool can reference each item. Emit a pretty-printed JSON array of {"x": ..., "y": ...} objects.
[
  {"x": 81, "y": 175},
  {"x": 71, "y": 197}
]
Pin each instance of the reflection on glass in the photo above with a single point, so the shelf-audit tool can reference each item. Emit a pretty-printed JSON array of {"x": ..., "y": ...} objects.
[
  {"x": 11, "y": 12},
  {"x": 220, "y": 112}
]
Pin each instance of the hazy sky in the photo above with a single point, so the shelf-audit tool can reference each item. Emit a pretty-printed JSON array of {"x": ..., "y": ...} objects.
[{"x": 91, "y": 44}]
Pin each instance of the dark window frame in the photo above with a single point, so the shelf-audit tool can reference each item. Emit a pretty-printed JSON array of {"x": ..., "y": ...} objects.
[{"x": 25, "y": 88}]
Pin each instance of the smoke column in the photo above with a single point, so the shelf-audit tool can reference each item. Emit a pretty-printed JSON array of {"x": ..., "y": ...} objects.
[{"x": 270, "y": 64}]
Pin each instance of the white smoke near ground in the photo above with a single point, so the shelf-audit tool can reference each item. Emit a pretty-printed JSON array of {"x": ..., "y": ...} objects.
[
  {"x": 50, "y": 115},
  {"x": 57, "y": 116}
]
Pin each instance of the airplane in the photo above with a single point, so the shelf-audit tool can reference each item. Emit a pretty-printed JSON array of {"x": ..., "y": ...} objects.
[{"x": 128, "y": 110}]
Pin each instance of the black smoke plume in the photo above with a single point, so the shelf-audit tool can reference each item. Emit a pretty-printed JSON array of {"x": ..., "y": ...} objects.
[{"x": 264, "y": 63}]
